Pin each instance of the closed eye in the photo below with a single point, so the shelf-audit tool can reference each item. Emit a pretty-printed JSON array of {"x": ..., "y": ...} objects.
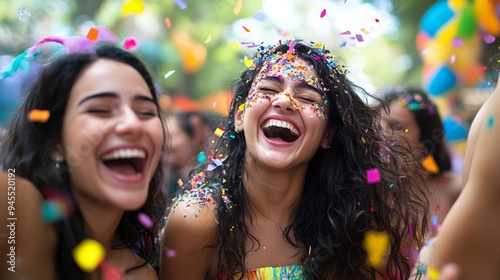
[{"x": 268, "y": 90}]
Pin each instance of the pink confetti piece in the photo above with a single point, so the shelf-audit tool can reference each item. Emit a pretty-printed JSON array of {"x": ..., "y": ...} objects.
[
  {"x": 130, "y": 43},
  {"x": 377, "y": 20},
  {"x": 457, "y": 42},
  {"x": 488, "y": 38},
  {"x": 171, "y": 253},
  {"x": 292, "y": 45},
  {"x": 452, "y": 58},
  {"x": 112, "y": 272},
  {"x": 145, "y": 220},
  {"x": 182, "y": 4},
  {"x": 359, "y": 37},
  {"x": 214, "y": 104},
  {"x": 323, "y": 13},
  {"x": 372, "y": 176}
]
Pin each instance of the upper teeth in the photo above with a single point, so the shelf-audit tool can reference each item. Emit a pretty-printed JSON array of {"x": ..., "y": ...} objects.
[
  {"x": 283, "y": 124},
  {"x": 125, "y": 153}
]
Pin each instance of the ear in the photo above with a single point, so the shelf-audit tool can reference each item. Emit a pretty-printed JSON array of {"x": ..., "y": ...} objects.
[
  {"x": 238, "y": 120},
  {"x": 325, "y": 144}
]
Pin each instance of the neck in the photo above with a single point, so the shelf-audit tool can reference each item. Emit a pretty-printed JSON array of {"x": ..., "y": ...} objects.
[{"x": 274, "y": 193}]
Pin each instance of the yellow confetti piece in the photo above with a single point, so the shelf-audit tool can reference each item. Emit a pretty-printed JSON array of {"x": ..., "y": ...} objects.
[
  {"x": 41, "y": 116},
  {"x": 375, "y": 245},
  {"x": 93, "y": 34},
  {"x": 363, "y": 140},
  {"x": 430, "y": 164},
  {"x": 248, "y": 62},
  {"x": 88, "y": 254},
  {"x": 132, "y": 7},
  {"x": 433, "y": 273},
  {"x": 235, "y": 45},
  {"x": 241, "y": 107},
  {"x": 168, "y": 24},
  {"x": 218, "y": 132},
  {"x": 209, "y": 38},
  {"x": 237, "y": 8},
  {"x": 364, "y": 30}
]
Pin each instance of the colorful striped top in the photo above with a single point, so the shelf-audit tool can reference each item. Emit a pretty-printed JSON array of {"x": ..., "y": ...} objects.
[{"x": 290, "y": 272}]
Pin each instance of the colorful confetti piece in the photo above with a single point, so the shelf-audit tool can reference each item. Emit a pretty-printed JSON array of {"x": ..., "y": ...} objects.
[
  {"x": 181, "y": 4},
  {"x": 457, "y": 42},
  {"x": 171, "y": 253},
  {"x": 93, "y": 34},
  {"x": 112, "y": 272},
  {"x": 218, "y": 132},
  {"x": 89, "y": 254},
  {"x": 168, "y": 24},
  {"x": 202, "y": 158},
  {"x": 145, "y": 220},
  {"x": 237, "y": 8},
  {"x": 323, "y": 13},
  {"x": 130, "y": 43},
  {"x": 433, "y": 273},
  {"x": 488, "y": 38},
  {"x": 372, "y": 176},
  {"x": 491, "y": 122},
  {"x": 430, "y": 164},
  {"x": 235, "y": 45},
  {"x": 375, "y": 245},
  {"x": 246, "y": 29},
  {"x": 132, "y": 7},
  {"x": 169, "y": 73},
  {"x": 248, "y": 62},
  {"x": 209, "y": 38},
  {"x": 41, "y": 116}
]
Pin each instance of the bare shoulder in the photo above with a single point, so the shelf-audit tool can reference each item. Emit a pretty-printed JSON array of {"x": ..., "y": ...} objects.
[
  {"x": 29, "y": 241},
  {"x": 189, "y": 237},
  {"x": 145, "y": 272}
]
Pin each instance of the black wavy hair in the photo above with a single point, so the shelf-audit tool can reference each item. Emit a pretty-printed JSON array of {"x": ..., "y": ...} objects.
[
  {"x": 426, "y": 114},
  {"x": 26, "y": 148},
  {"x": 338, "y": 206}
]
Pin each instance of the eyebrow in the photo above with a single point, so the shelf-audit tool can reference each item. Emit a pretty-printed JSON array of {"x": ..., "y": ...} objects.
[
  {"x": 301, "y": 85},
  {"x": 114, "y": 95}
]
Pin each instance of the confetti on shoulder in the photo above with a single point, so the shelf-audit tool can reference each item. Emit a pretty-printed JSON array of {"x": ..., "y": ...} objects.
[{"x": 491, "y": 122}]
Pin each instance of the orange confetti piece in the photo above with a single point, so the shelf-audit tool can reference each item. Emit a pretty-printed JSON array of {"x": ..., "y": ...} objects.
[
  {"x": 180, "y": 182},
  {"x": 375, "y": 245},
  {"x": 93, "y": 34},
  {"x": 41, "y": 116},
  {"x": 430, "y": 164},
  {"x": 218, "y": 132},
  {"x": 237, "y": 8},
  {"x": 168, "y": 24},
  {"x": 209, "y": 38},
  {"x": 246, "y": 29}
]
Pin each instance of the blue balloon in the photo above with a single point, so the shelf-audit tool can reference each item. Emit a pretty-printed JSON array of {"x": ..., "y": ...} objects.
[
  {"x": 436, "y": 17},
  {"x": 442, "y": 81}
]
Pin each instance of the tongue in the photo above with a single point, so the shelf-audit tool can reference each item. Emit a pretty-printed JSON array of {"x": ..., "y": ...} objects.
[{"x": 125, "y": 169}]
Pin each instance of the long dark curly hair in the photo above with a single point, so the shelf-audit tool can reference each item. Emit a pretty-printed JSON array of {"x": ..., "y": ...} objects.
[
  {"x": 338, "y": 206},
  {"x": 25, "y": 148}
]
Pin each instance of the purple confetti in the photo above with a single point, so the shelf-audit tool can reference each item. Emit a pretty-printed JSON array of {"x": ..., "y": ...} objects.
[
  {"x": 260, "y": 15},
  {"x": 457, "y": 42},
  {"x": 182, "y": 4},
  {"x": 145, "y": 220},
  {"x": 171, "y": 253},
  {"x": 488, "y": 38},
  {"x": 359, "y": 38}
]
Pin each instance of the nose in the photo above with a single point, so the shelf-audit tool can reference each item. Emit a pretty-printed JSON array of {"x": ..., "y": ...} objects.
[
  {"x": 285, "y": 101},
  {"x": 129, "y": 123}
]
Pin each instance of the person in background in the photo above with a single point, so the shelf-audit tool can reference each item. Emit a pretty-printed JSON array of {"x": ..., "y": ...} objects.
[
  {"x": 412, "y": 111},
  {"x": 189, "y": 133},
  {"x": 301, "y": 184},
  {"x": 82, "y": 171}
]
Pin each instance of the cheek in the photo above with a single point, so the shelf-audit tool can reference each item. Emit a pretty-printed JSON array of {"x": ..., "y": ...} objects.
[{"x": 316, "y": 111}]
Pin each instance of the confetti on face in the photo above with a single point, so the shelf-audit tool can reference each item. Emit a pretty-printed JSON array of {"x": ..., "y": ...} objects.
[
  {"x": 145, "y": 220},
  {"x": 169, "y": 73},
  {"x": 93, "y": 34},
  {"x": 430, "y": 164},
  {"x": 237, "y": 8},
  {"x": 375, "y": 245},
  {"x": 181, "y": 4},
  {"x": 323, "y": 13},
  {"x": 89, "y": 254},
  {"x": 130, "y": 43},
  {"x": 171, "y": 253},
  {"x": 372, "y": 176},
  {"x": 41, "y": 116}
]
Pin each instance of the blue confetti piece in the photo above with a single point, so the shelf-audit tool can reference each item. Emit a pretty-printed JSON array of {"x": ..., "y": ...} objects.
[
  {"x": 182, "y": 4},
  {"x": 491, "y": 122},
  {"x": 202, "y": 158}
]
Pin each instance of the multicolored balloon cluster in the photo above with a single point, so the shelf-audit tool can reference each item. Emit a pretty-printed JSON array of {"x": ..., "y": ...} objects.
[{"x": 450, "y": 40}]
